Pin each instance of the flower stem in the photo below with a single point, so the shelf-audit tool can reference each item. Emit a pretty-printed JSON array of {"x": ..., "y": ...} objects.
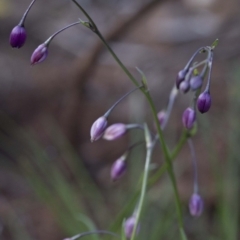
[
  {"x": 154, "y": 113},
  {"x": 149, "y": 146}
]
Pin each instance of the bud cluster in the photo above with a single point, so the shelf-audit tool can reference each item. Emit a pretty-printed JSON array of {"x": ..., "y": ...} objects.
[{"x": 190, "y": 79}]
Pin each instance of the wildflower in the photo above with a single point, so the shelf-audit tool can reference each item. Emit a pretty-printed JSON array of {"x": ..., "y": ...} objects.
[
  {"x": 115, "y": 131},
  {"x": 188, "y": 118},
  {"x": 204, "y": 102},
  {"x": 196, "y": 82},
  {"x": 129, "y": 226},
  {"x": 18, "y": 36},
  {"x": 184, "y": 86},
  {"x": 39, "y": 54},
  {"x": 181, "y": 77},
  {"x": 98, "y": 128},
  {"x": 119, "y": 168},
  {"x": 196, "y": 205},
  {"x": 161, "y": 117}
]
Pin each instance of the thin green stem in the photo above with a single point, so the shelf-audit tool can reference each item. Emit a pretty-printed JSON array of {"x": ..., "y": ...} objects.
[
  {"x": 145, "y": 178},
  {"x": 154, "y": 112},
  {"x": 118, "y": 60}
]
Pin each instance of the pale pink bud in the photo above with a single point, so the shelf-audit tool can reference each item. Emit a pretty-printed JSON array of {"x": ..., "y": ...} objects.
[
  {"x": 98, "y": 128},
  {"x": 118, "y": 168},
  {"x": 39, "y": 54},
  {"x": 115, "y": 131}
]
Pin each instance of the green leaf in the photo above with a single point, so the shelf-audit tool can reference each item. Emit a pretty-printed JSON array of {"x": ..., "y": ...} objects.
[{"x": 214, "y": 44}]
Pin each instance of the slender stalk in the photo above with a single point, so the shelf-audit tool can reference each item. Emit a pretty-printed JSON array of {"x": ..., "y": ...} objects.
[
  {"x": 172, "y": 98},
  {"x": 154, "y": 112},
  {"x": 21, "y": 23},
  {"x": 116, "y": 103},
  {"x": 47, "y": 42},
  {"x": 194, "y": 163},
  {"x": 86, "y": 14},
  {"x": 149, "y": 146}
]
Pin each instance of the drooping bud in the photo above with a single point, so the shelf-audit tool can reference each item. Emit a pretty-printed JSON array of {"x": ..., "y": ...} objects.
[
  {"x": 204, "y": 102},
  {"x": 196, "y": 205},
  {"x": 196, "y": 82},
  {"x": 39, "y": 54},
  {"x": 184, "y": 86},
  {"x": 18, "y": 36},
  {"x": 161, "y": 117},
  {"x": 188, "y": 118},
  {"x": 181, "y": 77},
  {"x": 118, "y": 168},
  {"x": 98, "y": 128},
  {"x": 129, "y": 226},
  {"x": 115, "y": 131}
]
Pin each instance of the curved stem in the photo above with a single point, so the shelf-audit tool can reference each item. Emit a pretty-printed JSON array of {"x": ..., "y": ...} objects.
[
  {"x": 47, "y": 42},
  {"x": 87, "y": 15},
  {"x": 209, "y": 73},
  {"x": 172, "y": 98},
  {"x": 145, "y": 178},
  {"x": 192, "y": 58},
  {"x": 154, "y": 113},
  {"x": 194, "y": 163},
  {"x": 116, "y": 103},
  {"x": 21, "y": 23}
]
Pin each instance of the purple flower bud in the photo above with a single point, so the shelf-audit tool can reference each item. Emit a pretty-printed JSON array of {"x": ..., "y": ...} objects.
[
  {"x": 180, "y": 77},
  {"x": 161, "y": 117},
  {"x": 204, "y": 102},
  {"x": 184, "y": 86},
  {"x": 98, "y": 128},
  {"x": 196, "y": 82},
  {"x": 196, "y": 205},
  {"x": 39, "y": 54},
  {"x": 118, "y": 168},
  {"x": 188, "y": 118},
  {"x": 115, "y": 131},
  {"x": 18, "y": 36},
  {"x": 129, "y": 226}
]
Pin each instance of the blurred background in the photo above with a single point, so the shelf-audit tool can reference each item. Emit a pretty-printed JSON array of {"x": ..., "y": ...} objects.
[{"x": 55, "y": 183}]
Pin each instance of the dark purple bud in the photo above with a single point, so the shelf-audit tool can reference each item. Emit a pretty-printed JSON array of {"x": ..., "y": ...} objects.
[
  {"x": 129, "y": 226},
  {"x": 196, "y": 205},
  {"x": 118, "y": 168},
  {"x": 115, "y": 131},
  {"x": 39, "y": 54},
  {"x": 204, "y": 102},
  {"x": 188, "y": 118},
  {"x": 98, "y": 128},
  {"x": 180, "y": 77},
  {"x": 184, "y": 86},
  {"x": 18, "y": 36},
  {"x": 196, "y": 82}
]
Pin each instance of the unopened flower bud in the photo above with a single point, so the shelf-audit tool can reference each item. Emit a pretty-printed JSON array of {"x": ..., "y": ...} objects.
[
  {"x": 115, "y": 131},
  {"x": 39, "y": 54},
  {"x": 196, "y": 82},
  {"x": 184, "y": 86},
  {"x": 181, "y": 77},
  {"x": 129, "y": 226},
  {"x": 188, "y": 118},
  {"x": 161, "y": 117},
  {"x": 98, "y": 128},
  {"x": 18, "y": 36},
  {"x": 118, "y": 168},
  {"x": 204, "y": 102},
  {"x": 196, "y": 205}
]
